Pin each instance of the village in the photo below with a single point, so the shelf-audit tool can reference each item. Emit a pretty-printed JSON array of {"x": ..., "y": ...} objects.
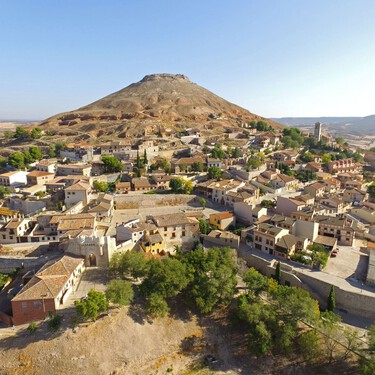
[{"x": 271, "y": 196}]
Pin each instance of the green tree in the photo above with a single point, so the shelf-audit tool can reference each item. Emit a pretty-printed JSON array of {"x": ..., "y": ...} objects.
[
  {"x": 183, "y": 167},
  {"x": 214, "y": 172},
  {"x": 204, "y": 227},
  {"x": 166, "y": 278},
  {"x": 308, "y": 345},
  {"x": 263, "y": 126},
  {"x": 197, "y": 166},
  {"x": 129, "y": 264},
  {"x": 331, "y": 302},
  {"x": 17, "y": 160},
  {"x": 92, "y": 305},
  {"x": 371, "y": 190},
  {"x": 180, "y": 185},
  {"x": 59, "y": 146},
  {"x": 368, "y": 362},
  {"x": 213, "y": 277},
  {"x": 326, "y": 158},
  {"x": 254, "y": 162},
  {"x": 36, "y": 133},
  {"x": 28, "y": 157},
  {"x": 307, "y": 157},
  {"x": 101, "y": 186},
  {"x": 218, "y": 153},
  {"x": 145, "y": 160},
  {"x": 236, "y": 153},
  {"x": 255, "y": 281},
  {"x": 21, "y": 133},
  {"x": 111, "y": 164},
  {"x": 4, "y": 191},
  {"x": 120, "y": 292},
  {"x": 292, "y": 138},
  {"x": 51, "y": 151},
  {"x": 293, "y": 304},
  {"x": 329, "y": 325},
  {"x": 35, "y": 152},
  {"x": 268, "y": 203},
  {"x": 138, "y": 162},
  {"x": 340, "y": 141},
  {"x": 203, "y": 202},
  {"x": 278, "y": 273},
  {"x": 156, "y": 306}
]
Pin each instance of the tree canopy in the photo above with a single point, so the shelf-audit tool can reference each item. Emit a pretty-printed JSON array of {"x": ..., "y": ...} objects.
[
  {"x": 129, "y": 264},
  {"x": 180, "y": 185},
  {"x": 214, "y": 172},
  {"x": 111, "y": 164},
  {"x": 92, "y": 305},
  {"x": 120, "y": 292},
  {"x": 213, "y": 275}
]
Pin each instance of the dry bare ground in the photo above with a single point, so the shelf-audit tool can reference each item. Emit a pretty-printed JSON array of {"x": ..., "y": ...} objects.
[{"x": 125, "y": 342}]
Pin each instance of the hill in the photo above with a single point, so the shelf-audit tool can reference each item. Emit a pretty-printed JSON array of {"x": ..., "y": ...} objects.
[
  {"x": 158, "y": 100},
  {"x": 336, "y": 125}
]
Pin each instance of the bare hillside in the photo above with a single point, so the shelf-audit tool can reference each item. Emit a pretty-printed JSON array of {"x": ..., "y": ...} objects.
[{"x": 158, "y": 100}]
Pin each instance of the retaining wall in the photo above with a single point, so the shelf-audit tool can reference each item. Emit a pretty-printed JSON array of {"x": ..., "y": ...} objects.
[
  {"x": 355, "y": 303},
  {"x": 153, "y": 200}
]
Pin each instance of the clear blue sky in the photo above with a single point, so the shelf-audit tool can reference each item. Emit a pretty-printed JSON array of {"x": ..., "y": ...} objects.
[{"x": 273, "y": 57}]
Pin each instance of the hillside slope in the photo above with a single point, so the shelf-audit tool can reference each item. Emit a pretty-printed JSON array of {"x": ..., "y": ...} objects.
[{"x": 168, "y": 100}]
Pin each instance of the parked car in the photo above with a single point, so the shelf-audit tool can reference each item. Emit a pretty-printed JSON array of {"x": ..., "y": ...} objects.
[{"x": 333, "y": 255}]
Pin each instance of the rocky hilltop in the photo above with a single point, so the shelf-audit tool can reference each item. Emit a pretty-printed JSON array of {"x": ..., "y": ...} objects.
[{"x": 158, "y": 100}]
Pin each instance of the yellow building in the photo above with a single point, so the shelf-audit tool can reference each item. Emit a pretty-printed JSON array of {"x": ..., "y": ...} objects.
[{"x": 153, "y": 242}]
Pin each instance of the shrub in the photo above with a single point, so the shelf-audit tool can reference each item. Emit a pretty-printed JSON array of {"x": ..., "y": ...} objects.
[
  {"x": 54, "y": 322},
  {"x": 32, "y": 327}
]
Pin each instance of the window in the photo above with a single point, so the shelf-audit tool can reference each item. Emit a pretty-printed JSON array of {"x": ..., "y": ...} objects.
[
  {"x": 183, "y": 233},
  {"x": 37, "y": 305},
  {"x": 24, "y": 305},
  {"x": 173, "y": 235}
]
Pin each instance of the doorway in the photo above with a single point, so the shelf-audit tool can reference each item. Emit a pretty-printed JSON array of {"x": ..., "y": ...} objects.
[{"x": 92, "y": 260}]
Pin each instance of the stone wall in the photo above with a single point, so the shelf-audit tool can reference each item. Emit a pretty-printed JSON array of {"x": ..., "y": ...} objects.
[
  {"x": 354, "y": 303},
  {"x": 128, "y": 201}
]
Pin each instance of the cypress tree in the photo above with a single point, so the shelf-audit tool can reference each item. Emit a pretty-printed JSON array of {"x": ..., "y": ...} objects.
[
  {"x": 331, "y": 303},
  {"x": 145, "y": 160},
  {"x": 278, "y": 273},
  {"x": 138, "y": 162}
]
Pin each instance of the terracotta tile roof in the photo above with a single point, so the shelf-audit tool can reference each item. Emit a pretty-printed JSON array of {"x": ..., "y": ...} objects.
[
  {"x": 324, "y": 240},
  {"x": 122, "y": 184},
  {"x": 49, "y": 280},
  {"x": 153, "y": 238},
  {"x": 7, "y": 212},
  {"x": 8, "y": 174},
  {"x": 79, "y": 186},
  {"x": 14, "y": 223},
  {"x": 223, "y": 234},
  {"x": 39, "y": 173},
  {"x": 141, "y": 182},
  {"x": 172, "y": 220},
  {"x": 315, "y": 186},
  {"x": 74, "y": 223},
  {"x": 287, "y": 241},
  {"x": 223, "y": 215}
]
